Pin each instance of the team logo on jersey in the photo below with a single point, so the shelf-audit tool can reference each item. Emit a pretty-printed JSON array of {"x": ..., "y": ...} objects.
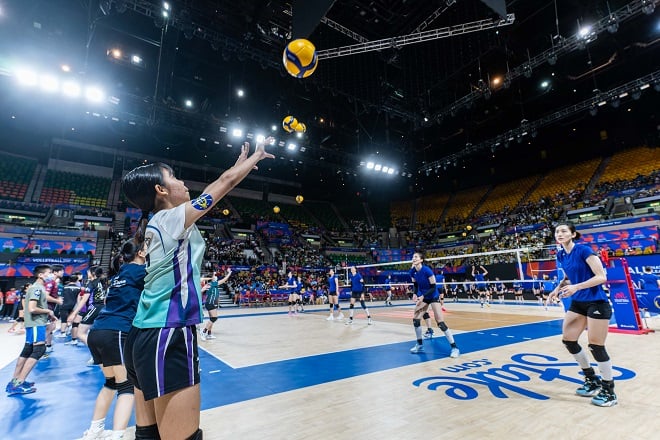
[
  {"x": 36, "y": 293},
  {"x": 203, "y": 202}
]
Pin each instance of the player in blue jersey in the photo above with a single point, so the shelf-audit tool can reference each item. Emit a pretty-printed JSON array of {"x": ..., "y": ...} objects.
[
  {"x": 161, "y": 352},
  {"x": 294, "y": 300},
  {"x": 479, "y": 276},
  {"x": 357, "y": 293},
  {"x": 589, "y": 309},
  {"x": 424, "y": 284},
  {"x": 107, "y": 337},
  {"x": 333, "y": 297}
]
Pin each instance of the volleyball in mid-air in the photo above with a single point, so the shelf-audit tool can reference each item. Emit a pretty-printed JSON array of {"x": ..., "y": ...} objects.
[
  {"x": 276, "y": 209},
  {"x": 300, "y": 127},
  {"x": 225, "y": 211},
  {"x": 289, "y": 124},
  {"x": 300, "y": 58},
  {"x": 299, "y": 199}
]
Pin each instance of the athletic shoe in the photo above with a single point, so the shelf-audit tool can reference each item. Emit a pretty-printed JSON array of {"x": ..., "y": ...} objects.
[
  {"x": 96, "y": 435},
  {"x": 73, "y": 342},
  {"x": 49, "y": 349},
  {"x": 455, "y": 352},
  {"x": 369, "y": 321},
  {"x": 605, "y": 398},
  {"x": 590, "y": 387},
  {"x": 349, "y": 322},
  {"x": 90, "y": 362},
  {"x": 429, "y": 333},
  {"x": 204, "y": 336},
  {"x": 330, "y": 318},
  {"x": 340, "y": 316},
  {"x": 10, "y": 385},
  {"x": 60, "y": 335},
  {"x": 21, "y": 389},
  {"x": 418, "y": 348},
  {"x": 210, "y": 336}
]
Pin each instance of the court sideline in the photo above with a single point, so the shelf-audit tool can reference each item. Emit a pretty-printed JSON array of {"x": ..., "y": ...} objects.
[{"x": 303, "y": 377}]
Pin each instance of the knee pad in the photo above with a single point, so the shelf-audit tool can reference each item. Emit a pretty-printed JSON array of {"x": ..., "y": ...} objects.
[
  {"x": 599, "y": 353},
  {"x": 572, "y": 346},
  {"x": 426, "y": 315},
  {"x": 335, "y": 307},
  {"x": 147, "y": 432},
  {"x": 27, "y": 351},
  {"x": 213, "y": 318},
  {"x": 75, "y": 324},
  {"x": 352, "y": 306},
  {"x": 196, "y": 436},
  {"x": 38, "y": 351},
  {"x": 364, "y": 306},
  {"x": 298, "y": 302},
  {"x": 125, "y": 387},
  {"x": 110, "y": 383},
  {"x": 417, "y": 322},
  {"x": 443, "y": 326},
  {"x": 290, "y": 303}
]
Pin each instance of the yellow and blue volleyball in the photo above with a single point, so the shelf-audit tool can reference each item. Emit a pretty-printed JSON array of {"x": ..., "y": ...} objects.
[
  {"x": 300, "y": 58},
  {"x": 300, "y": 127},
  {"x": 289, "y": 124}
]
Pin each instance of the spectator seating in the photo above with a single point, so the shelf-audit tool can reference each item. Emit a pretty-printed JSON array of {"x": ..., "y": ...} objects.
[
  {"x": 430, "y": 208},
  {"x": 565, "y": 180},
  {"x": 61, "y": 187},
  {"x": 15, "y": 174},
  {"x": 464, "y": 202},
  {"x": 505, "y": 195},
  {"x": 628, "y": 164}
]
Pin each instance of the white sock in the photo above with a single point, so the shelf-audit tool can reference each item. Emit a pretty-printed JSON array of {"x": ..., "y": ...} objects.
[
  {"x": 583, "y": 359},
  {"x": 97, "y": 425}
]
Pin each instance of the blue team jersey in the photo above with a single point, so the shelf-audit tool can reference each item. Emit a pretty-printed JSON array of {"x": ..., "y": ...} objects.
[
  {"x": 122, "y": 300},
  {"x": 649, "y": 281},
  {"x": 388, "y": 284},
  {"x": 577, "y": 271},
  {"x": 357, "y": 283},
  {"x": 421, "y": 277},
  {"x": 172, "y": 294},
  {"x": 332, "y": 285},
  {"x": 480, "y": 278}
]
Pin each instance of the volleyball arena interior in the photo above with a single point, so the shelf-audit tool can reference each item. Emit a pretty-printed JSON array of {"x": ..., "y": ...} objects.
[{"x": 443, "y": 197}]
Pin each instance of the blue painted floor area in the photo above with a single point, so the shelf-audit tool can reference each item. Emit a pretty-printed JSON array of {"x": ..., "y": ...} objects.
[{"x": 66, "y": 389}]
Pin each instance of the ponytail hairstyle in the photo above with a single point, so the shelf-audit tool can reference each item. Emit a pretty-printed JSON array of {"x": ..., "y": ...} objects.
[
  {"x": 139, "y": 186},
  {"x": 126, "y": 254},
  {"x": 571, "y": 227}
]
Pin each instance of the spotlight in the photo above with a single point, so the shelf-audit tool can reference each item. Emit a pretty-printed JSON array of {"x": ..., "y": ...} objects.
[
  {"x": 648, "y": 7},
  {"x": 612, "y": 25}
]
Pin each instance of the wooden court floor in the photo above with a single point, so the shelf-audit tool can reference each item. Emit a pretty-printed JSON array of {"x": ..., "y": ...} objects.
[{"x": 269, "y": 375}]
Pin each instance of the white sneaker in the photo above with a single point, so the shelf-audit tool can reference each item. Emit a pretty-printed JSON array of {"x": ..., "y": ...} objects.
[
  {"x": 349, "y": 322},
  {"x": 204, "y": 336},
  {"x": 340, "y": 316},
  {"x": 72, "y": 342},
  {"x": 417, "y": 349},
  {"x": 330, "y": 318},
  {"x": 369, "y": 321},
  {"x": 100, "y": 435},
  {"x": 60, "y": 335},
  {"x": 49, "y": 349},
  {"x": 210, "y": 336},
  {"x": 90, "y": 363},
  {"x": 455, "y": 352}
]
